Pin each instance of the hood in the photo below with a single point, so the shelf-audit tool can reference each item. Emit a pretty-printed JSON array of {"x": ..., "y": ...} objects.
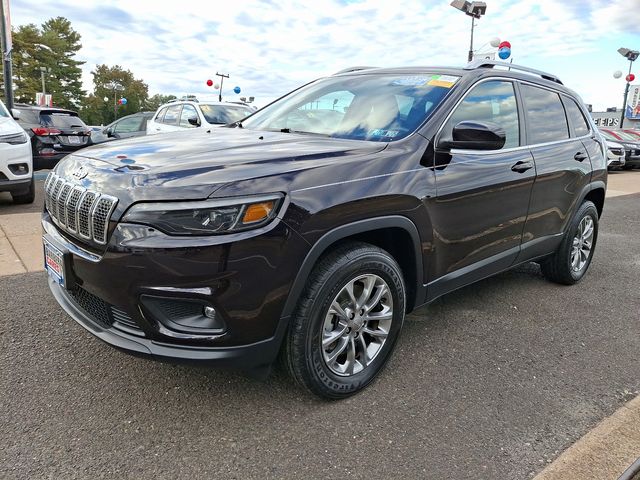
[
  {"x": 192, "y": 165},
  {"x": 9, "y": 126}
]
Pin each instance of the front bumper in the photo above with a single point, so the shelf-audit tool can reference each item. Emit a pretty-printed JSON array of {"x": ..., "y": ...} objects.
[
  {"x": 15, "y": 186},
  {"x": 242, "y": 357},
  {"x": 246, "y": 281}
]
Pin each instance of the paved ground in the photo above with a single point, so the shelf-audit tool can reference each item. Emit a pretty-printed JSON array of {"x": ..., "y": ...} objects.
[{"x": 493, "y": 381}]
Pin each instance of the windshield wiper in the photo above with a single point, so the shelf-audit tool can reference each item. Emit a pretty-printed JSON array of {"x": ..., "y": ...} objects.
[{"x": 288, "y": 130}]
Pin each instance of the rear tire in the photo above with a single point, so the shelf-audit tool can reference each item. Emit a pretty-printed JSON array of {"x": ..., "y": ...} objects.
[
  {"x": 571, "y": 261},
  {"x": 27, "y": 197},
  {"x": 346, "y": 322}
]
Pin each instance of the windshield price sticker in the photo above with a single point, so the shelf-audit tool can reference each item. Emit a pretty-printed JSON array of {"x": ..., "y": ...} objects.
[
  {"x": 445, "y": 81},
  {"x": 410, "y": 81}
]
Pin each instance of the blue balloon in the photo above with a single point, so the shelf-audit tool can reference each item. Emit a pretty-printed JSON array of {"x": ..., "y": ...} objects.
[
  {"x": 123, "y": 101},
  {"x": 504, "y": 53},
  {"x": 236, "y": 89}
]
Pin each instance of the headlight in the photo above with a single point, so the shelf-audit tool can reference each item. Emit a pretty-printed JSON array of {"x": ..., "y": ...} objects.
[
  {"x": 14, "y": 138},
  {"x": 208, "y": 217}
]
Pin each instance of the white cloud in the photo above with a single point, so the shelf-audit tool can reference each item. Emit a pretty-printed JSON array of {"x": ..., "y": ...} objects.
[{"x": 270, "y": 47}]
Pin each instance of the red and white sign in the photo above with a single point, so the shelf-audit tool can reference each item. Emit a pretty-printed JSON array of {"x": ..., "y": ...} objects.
[{"x": 43, "y": 100}]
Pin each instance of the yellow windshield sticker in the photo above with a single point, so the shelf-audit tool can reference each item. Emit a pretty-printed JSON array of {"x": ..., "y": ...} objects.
[{"x": 445, "y": 81}]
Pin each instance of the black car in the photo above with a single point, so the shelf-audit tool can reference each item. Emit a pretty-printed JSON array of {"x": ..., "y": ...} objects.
[
  {"x": 310, "y": 237},
  {"x": 53, "y": 132},
  {"x": 134, "y": 125}
]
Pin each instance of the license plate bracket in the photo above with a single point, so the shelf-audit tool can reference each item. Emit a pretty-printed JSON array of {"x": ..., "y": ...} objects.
[
  {"x": 73, "y": 140},
  {"x": 57, "y": 262}
]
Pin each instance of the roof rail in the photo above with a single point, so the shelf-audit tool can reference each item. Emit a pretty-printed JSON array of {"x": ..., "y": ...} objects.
[
  {"x": 352, "y": 69},
  {"x": 494, "y": 63}
]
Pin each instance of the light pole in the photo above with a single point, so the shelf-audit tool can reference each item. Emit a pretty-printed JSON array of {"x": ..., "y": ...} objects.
[
  {"x": 116, "y": 87},
  {"x": 222, "y": 77},
  {"x": 474, "y": 10},
  {"x": 632, "y": 56},
  {"x": 43, "y": 71},
  {"x": 5, "y": 41}
]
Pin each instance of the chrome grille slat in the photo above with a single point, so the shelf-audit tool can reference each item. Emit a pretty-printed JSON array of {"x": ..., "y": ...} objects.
[
  {"x": 84, "y": 214},
  {"x": 81, "y": 212}
]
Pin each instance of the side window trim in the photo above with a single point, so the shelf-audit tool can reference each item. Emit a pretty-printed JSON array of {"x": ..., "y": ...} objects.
[{"x": 464, "y": 96}]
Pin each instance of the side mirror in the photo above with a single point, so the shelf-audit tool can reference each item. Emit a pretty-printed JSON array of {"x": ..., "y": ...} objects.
[
  {"x": 15, "y": 114},
  {"x": 476, "y": 135},
  {"x": 194, "y": 121}
]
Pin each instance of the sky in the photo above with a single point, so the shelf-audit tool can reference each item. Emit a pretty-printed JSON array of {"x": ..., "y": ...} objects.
[{"x": 270, "y": 47}]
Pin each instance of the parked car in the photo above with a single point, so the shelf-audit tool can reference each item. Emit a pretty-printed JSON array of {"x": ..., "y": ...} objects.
[
  {"x": 53, "y": 132},
  {"x": 16, "y": 169},
  {"x": 630, "y": 144},
  {"x": 287, "y": 235},
  {"x": 134, "y": 125},
  {"x": 634, "y": 133},
  {"x": 180, "y": 115},
  {"x": 615, "y": 155}
]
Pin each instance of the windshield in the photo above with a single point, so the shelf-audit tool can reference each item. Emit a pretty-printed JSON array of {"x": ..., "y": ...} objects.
[
  {"x": 378, "y": 107},
  {"x": 224, "y": 113},
  {"x": 627, "y": 136},
  {"x": 3, "y": 110},
  {"x": 609, "y": 136},
  {"x": 60, "y": 120}
]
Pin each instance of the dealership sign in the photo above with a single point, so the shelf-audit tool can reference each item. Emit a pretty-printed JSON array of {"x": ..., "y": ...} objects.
[{"x": 633, "y": 105}]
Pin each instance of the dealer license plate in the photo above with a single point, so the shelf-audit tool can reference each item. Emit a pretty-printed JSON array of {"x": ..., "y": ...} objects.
[{"x": 54, "y": 262}]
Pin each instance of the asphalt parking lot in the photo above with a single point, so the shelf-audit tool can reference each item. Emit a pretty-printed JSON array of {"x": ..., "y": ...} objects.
[{"x": 492, "y": 381}]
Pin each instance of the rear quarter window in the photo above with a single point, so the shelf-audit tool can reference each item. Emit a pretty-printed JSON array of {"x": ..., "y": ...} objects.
[{"x": 579, "y": 124}]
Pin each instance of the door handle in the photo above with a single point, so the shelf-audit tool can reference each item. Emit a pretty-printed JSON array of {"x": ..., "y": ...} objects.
[
  {"x": 579, "y": 156},
  {"x": 522, "y": 167}
]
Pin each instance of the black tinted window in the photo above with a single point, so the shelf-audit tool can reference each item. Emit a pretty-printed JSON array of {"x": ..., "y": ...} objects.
[
  {"x": 579, "y": 123},
  {"x": 494, "y": 102},
  {"x": 60, "y": 120},
  {"x": 545, "y": 114}
]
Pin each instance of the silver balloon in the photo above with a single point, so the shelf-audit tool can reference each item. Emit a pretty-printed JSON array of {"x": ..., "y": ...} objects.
[
  {"x": 617, "y": 74},
  {"x": 495, "y": 42}
]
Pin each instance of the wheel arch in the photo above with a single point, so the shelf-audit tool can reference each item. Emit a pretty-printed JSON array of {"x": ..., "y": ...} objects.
[
  {"x": 596, "y": 194},
  {"x": 396, "y": 234}
]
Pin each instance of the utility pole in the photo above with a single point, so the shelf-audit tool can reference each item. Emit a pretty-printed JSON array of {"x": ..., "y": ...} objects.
[
  {"x": 5, "y": 33},
  {"x": 222, "y": 77}
]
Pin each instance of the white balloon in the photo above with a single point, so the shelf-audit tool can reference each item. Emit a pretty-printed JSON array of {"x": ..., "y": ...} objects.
[
  {"x": 495, "y": 41},
  {"x": 106, "y": 99},
  {"x": 617, "y": 74}
]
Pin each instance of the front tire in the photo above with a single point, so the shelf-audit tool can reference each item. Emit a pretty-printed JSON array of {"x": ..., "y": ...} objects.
[
  {"x": 571, "y": 261},
  {"x": 347, "y": 321}
]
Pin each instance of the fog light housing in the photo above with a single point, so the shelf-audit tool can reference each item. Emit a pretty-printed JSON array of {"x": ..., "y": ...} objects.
[
  {"x": 184, "y": 315},
  {"x": 19, "y": 168}
]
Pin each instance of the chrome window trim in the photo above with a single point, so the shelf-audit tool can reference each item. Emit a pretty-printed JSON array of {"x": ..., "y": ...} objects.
[{"x": 512, "y": 149}]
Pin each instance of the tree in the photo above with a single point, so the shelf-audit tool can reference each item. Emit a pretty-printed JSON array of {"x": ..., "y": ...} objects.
[
  {"x": 114, "y": 83},
  {"x": 51, "y": 47},
  {"x": 158, "y": 99}
]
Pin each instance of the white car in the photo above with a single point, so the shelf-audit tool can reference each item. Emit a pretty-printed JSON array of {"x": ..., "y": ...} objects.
[
  {"x": 180, "y": 115},
  {"x": 615, "y": 155},
  {"x": 16, "y": 163}
]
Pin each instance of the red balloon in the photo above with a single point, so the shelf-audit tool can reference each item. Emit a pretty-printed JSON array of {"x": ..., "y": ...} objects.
[
  {"x": 631, "y": 77},
  {"x": 504, "y": 44},
  {"x": 209, "y": 82}
]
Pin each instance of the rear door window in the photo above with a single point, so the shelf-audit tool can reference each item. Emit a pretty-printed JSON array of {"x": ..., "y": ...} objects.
[
  {"x": 172, "y": 115},
  {"x": 579, "y": 124},
  {"x": 546, "y": 120}
]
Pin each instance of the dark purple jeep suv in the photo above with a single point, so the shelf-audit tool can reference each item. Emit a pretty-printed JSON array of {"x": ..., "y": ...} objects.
[{"x": 309, "y": 229}]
